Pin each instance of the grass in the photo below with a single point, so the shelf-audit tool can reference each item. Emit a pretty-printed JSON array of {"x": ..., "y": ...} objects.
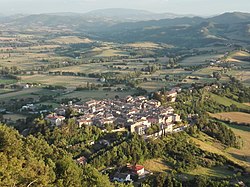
[
  {"x": 156, "y": 165},
  {"x": 7, "y": 81},
  {"x": 153, "y": 86},
  {"x": 26, "y": 93},
  {"x": 227, "y": 102},
  {"x": 199, "y": 60},
  {"x": 210, "y": 145},
  {"x": 243, "y": 153},
  {"x": 95, "y": 94},
  {"x": 239, "y": 117},
  {"x": 28, "y": 59},
  {"x": 237, "y": 56},
  {"x": 3, "y": 91},
  {"x": 71, "y": 40},
  {"x": 112, "y": 53},
  {"x": 87, "y": 68},
  {"x": 144, "y": 45},
  {"x": 206, "y": 71},
  {"x": 219, "y": 172},
  {"x": 14, "y": 117},
  {"x": 68, "y": 81}
]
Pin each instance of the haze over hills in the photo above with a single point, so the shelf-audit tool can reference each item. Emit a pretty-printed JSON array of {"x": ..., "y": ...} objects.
[
  {"x": 115, "y": 15},
  {"x": 185, "y": 31},
  {"x": 131, "y": 14},
  {"x": 120, "y": 25}
]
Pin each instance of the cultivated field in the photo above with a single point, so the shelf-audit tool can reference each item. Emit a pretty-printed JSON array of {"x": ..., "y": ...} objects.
[
  {"x": 219, "y": 172},
  {"x": 207, "y": 71},
  {"x": 95, "y": 94},
  {"x": 238, "y": 117},
  {"x": 67, "y": 81},
  {"x": 146, "y": 45},
  {"x": 14, "y": 117},
  {"x": 200, "y": 59},
  {"x": 238, "y": 56},
  {"x": 71, "y": 40},
  {"x": 25, "y": 93},
  {"x": 227, "y": 102},
  {"x": 111, "y": 53}
]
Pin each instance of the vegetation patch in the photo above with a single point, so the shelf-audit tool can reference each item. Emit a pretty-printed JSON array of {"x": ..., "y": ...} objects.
[{"x": 156, "y": 165}]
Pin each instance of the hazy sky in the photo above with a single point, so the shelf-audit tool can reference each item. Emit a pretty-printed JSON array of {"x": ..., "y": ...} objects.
[{"x": 199, "y": 7}]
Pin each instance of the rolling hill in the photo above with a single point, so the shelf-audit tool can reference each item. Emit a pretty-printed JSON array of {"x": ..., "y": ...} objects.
[
  {"x": 191, "y": 32},
  {"x": 108, "y": 25}
]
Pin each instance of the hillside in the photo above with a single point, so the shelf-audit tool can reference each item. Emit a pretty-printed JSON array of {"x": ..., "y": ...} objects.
[
  {"x": 194, "y": 31},
  {"x": 126, "y": 26}
]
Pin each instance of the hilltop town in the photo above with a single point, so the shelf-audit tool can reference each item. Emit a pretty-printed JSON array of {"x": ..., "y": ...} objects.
[{"x": 136, "y": 114}]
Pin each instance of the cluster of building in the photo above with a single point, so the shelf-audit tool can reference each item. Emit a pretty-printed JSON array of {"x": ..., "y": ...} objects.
[{"x": 134, "y": 113}]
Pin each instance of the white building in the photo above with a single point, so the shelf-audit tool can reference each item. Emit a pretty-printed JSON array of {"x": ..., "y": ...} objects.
[{"x": 54, "y": 119}]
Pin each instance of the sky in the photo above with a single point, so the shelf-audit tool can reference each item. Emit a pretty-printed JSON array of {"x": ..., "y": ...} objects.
[{"x": 197, "y": 7}]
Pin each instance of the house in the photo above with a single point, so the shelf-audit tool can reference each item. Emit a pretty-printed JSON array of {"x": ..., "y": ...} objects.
[
  {"x": 176, "y": 118},
  {"x": 82, "y": 122},
  {"x": 54, "y": 119},
  {"x": 141, "y": 129},
  {"x": 154, "y": 103},
  {"x": 91, "y": 103},
  {"x": 137, "y": 169},
  {"x": 169, "y": 128},
  {"x": 143, "y": 122},
  {"x": 170, "y": 110},
  {"x": 171, "y": 95},
  {"x": 168, "y": 118},
  {"x": 129, "y": 99},
  {"x": 122, "y": 177},
  {"x": 141, "y": 98},
  {"x": 153, "y": 119}
]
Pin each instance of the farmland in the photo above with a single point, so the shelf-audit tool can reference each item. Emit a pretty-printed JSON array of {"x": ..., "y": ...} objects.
[
  {"x": 200, "y": 59},
  {"x": 68, "y": 81},
  {"x": 238, "y": 117},
  {"x": 217, "y": 172},
  {"x": 227, "y": 102}
]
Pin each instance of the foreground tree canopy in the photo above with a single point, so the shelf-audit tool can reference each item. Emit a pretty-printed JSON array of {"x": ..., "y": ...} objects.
[{"x": 32, "y": 161}]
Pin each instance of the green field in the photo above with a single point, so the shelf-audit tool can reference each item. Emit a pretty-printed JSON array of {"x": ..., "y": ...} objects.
[
  {"x": 218, "y": 172},
  {"x": 26, "y": 93},
  {"x": 95, "y": 94},
  {"x": 207, "y": 71},
  {"x": 244, "y": 152},
  {"x": 227, "y": 102},
  {"x": 199, "y": 60},
  {"x": 7, "y": 81},
  {"x": 14, "y": 117},
  {"x": 67, "y": 81}
]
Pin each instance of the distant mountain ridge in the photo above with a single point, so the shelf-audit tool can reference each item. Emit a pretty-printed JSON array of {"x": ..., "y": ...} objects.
[
  {"x": 132, "y": 14},
  {"x": 103, "y": 25},
  {"x": 187, "y": 32}
]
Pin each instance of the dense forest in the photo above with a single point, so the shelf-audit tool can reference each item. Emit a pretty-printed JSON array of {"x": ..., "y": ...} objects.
[{"x": 30, "y": 160}]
